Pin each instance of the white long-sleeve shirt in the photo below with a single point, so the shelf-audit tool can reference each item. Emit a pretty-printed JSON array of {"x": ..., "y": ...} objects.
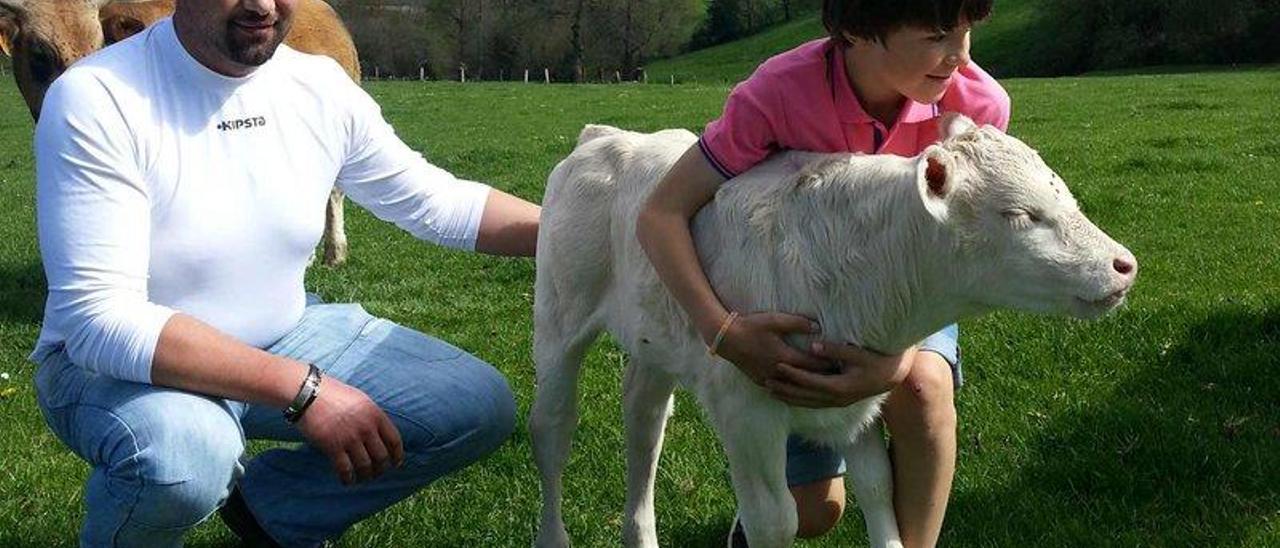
[{"x": 165, "y": 187}]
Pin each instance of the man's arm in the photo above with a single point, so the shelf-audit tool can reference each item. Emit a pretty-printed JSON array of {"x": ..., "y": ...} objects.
[
  {"x": 395, "y": 183},
  {"x": 342, "y": 422},
  {"x": 509, "y": 226}
]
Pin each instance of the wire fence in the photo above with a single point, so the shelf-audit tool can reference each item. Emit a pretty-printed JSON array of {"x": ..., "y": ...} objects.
[{"x": 544, "y": 75}]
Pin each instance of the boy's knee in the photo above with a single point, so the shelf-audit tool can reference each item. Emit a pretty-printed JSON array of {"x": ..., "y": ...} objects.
[
  {"x": 929, "y": 384},
  {"x": 819, "y": 506}
]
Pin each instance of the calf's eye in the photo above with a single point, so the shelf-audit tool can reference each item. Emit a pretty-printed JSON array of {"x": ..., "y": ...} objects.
[{"x": 1020, "y": 216}]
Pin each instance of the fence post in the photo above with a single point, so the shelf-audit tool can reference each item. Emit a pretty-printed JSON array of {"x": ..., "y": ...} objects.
[
  {"x": 422, "y": 73},
  {"x": 546, "y": 75},
  {"x": 526, "y": 76},
  {"x": 376, "y": 75},
  {"x": 644, "y": 76},
  {"x": 673, "y": 79},
  {"x": 462, "y": 71},
  {"x": 617, "y": 77}
]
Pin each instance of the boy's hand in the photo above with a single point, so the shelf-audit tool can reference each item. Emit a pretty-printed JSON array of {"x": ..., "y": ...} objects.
[
  {"x": 861, "y": 374},
  {"x": 754, "y": 343}
]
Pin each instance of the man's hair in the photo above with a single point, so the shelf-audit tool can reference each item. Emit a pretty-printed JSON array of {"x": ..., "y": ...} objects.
[{"x": 874, "y": 19}]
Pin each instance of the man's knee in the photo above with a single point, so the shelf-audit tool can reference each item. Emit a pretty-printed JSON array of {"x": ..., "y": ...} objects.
[
  {"x": 174, "y": 469},
  {"x": 495, "y": 406},
  {"x": 475, "y": 413},
  {"x": 819, "y": 506}
]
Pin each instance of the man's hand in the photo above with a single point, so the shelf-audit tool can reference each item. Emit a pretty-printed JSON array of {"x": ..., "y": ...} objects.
[
  {"x": 754, "y": 343},
  {"x": 861, "y": 374},
  {"x": 352, "y": 431}
]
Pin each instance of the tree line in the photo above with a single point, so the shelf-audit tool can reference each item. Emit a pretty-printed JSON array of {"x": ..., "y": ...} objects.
[
  {"x": 574, "y": 40},
  {"x": 1075, "y": 36}
]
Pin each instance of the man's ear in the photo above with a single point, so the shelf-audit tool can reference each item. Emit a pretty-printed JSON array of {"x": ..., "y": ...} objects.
[
  {"x": 118, "y": 27},
  {"x": 8, "y": 31},
  {"x": 954, "y": 123},
  {"x": 936, "y": 181}
]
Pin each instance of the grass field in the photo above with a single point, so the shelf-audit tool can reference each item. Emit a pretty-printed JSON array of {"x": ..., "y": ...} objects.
[{"x": 1157, "y": 426}]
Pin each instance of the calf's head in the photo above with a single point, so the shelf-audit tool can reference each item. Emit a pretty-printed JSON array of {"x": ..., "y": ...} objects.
[{"x": 1021, "y": 238}]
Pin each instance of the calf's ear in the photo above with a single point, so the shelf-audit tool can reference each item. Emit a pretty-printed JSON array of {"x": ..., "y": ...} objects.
[
  {"x": 954, "y": 123},
  {"x": 118, "y": 27},
  {"x": 8, "y": 31},
  {"x": 936, "y": 180}
]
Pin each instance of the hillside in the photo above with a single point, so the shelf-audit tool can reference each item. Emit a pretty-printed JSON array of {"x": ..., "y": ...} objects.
[{"x": 998, "y": 45}]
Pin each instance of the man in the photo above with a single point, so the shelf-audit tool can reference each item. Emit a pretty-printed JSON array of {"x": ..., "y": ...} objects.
[{"x": 182, "y": 177}]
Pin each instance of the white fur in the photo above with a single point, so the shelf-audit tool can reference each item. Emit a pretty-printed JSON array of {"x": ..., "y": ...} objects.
[{"x": 861, "y": 243}]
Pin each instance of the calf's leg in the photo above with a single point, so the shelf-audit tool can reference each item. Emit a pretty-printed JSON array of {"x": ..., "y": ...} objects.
[
  {"x": 335, "y": 232},
  {"x": 646, "y": 405},
  {"x": 560, "y": 341},
  {"x": 754, "y": 434},
  {"x": 867, "y": 460}
]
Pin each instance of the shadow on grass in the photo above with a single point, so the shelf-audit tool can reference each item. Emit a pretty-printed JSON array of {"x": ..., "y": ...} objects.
[
  {"x": 1184, "y": 453},
  {"x": 22, "y": 292},
  {"x": 710, "y": 532}
]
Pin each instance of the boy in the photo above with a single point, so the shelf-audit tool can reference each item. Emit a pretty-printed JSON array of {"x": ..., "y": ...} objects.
[{"x": 877, "y": 85}]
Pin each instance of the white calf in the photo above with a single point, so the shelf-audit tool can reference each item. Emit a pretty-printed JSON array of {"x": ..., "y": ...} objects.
[{"x": 881, "y": 250}]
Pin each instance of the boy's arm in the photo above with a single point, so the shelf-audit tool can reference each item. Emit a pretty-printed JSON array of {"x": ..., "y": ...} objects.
[{"x": 753, "y": 342}]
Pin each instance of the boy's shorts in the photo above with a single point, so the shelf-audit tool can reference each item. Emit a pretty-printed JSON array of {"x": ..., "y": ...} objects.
[{"x": 808, "y": 462}]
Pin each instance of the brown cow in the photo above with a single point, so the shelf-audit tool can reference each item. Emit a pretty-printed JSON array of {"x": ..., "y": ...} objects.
[{"x": 44, "y": 37}]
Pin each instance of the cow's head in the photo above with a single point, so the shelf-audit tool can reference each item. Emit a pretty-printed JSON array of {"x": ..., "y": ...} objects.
[
  {"x": 44, "y": 37},
  {"x": 1028, "y": 244}
]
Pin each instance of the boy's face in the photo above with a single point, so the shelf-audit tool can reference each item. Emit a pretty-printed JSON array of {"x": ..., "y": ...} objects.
[
  {"x": 233, "y": 36},
  {"x": 913, "y": 62}
]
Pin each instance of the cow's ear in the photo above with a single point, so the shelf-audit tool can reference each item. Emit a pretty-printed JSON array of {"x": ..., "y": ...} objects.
[
  {"x": 936, "y": 180},
  {"x": 8, "y": 31},
  {"x": 807, "y": 167},
  {"x": 118, "y": 27},
  {"x": 954, "y": 123}
]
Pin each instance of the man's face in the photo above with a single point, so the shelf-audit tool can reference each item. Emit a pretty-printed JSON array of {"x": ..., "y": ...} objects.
[{"x": 233, "y": 36}]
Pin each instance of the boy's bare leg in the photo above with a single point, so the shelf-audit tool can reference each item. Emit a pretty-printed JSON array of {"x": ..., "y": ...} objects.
[
  {"x": 819, "y": 505},
  {"x": 921, "y": 417}
]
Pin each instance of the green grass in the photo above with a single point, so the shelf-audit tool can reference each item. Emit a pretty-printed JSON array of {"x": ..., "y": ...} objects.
[{"x": 1156, "y": 426}]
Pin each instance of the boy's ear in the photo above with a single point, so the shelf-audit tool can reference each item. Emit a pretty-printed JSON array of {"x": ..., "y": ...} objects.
[
  {"x": 936, "y": 181},
  {"x": 954, "y": 123}
]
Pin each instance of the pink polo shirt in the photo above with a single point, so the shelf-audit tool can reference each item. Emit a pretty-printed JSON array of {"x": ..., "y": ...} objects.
[{"x": 801, "y": 100}]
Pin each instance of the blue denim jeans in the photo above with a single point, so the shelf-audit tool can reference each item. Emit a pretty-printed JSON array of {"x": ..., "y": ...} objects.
[
  {"x": 808, "y": 462},
  {"x": 163, "y": 460}
]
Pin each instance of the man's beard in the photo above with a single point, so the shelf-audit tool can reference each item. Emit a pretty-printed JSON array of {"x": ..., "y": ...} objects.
[{"x": 251, "y": 53}]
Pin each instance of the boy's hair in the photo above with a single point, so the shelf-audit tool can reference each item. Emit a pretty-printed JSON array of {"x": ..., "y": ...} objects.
[{"x": 875, "y": 19}]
